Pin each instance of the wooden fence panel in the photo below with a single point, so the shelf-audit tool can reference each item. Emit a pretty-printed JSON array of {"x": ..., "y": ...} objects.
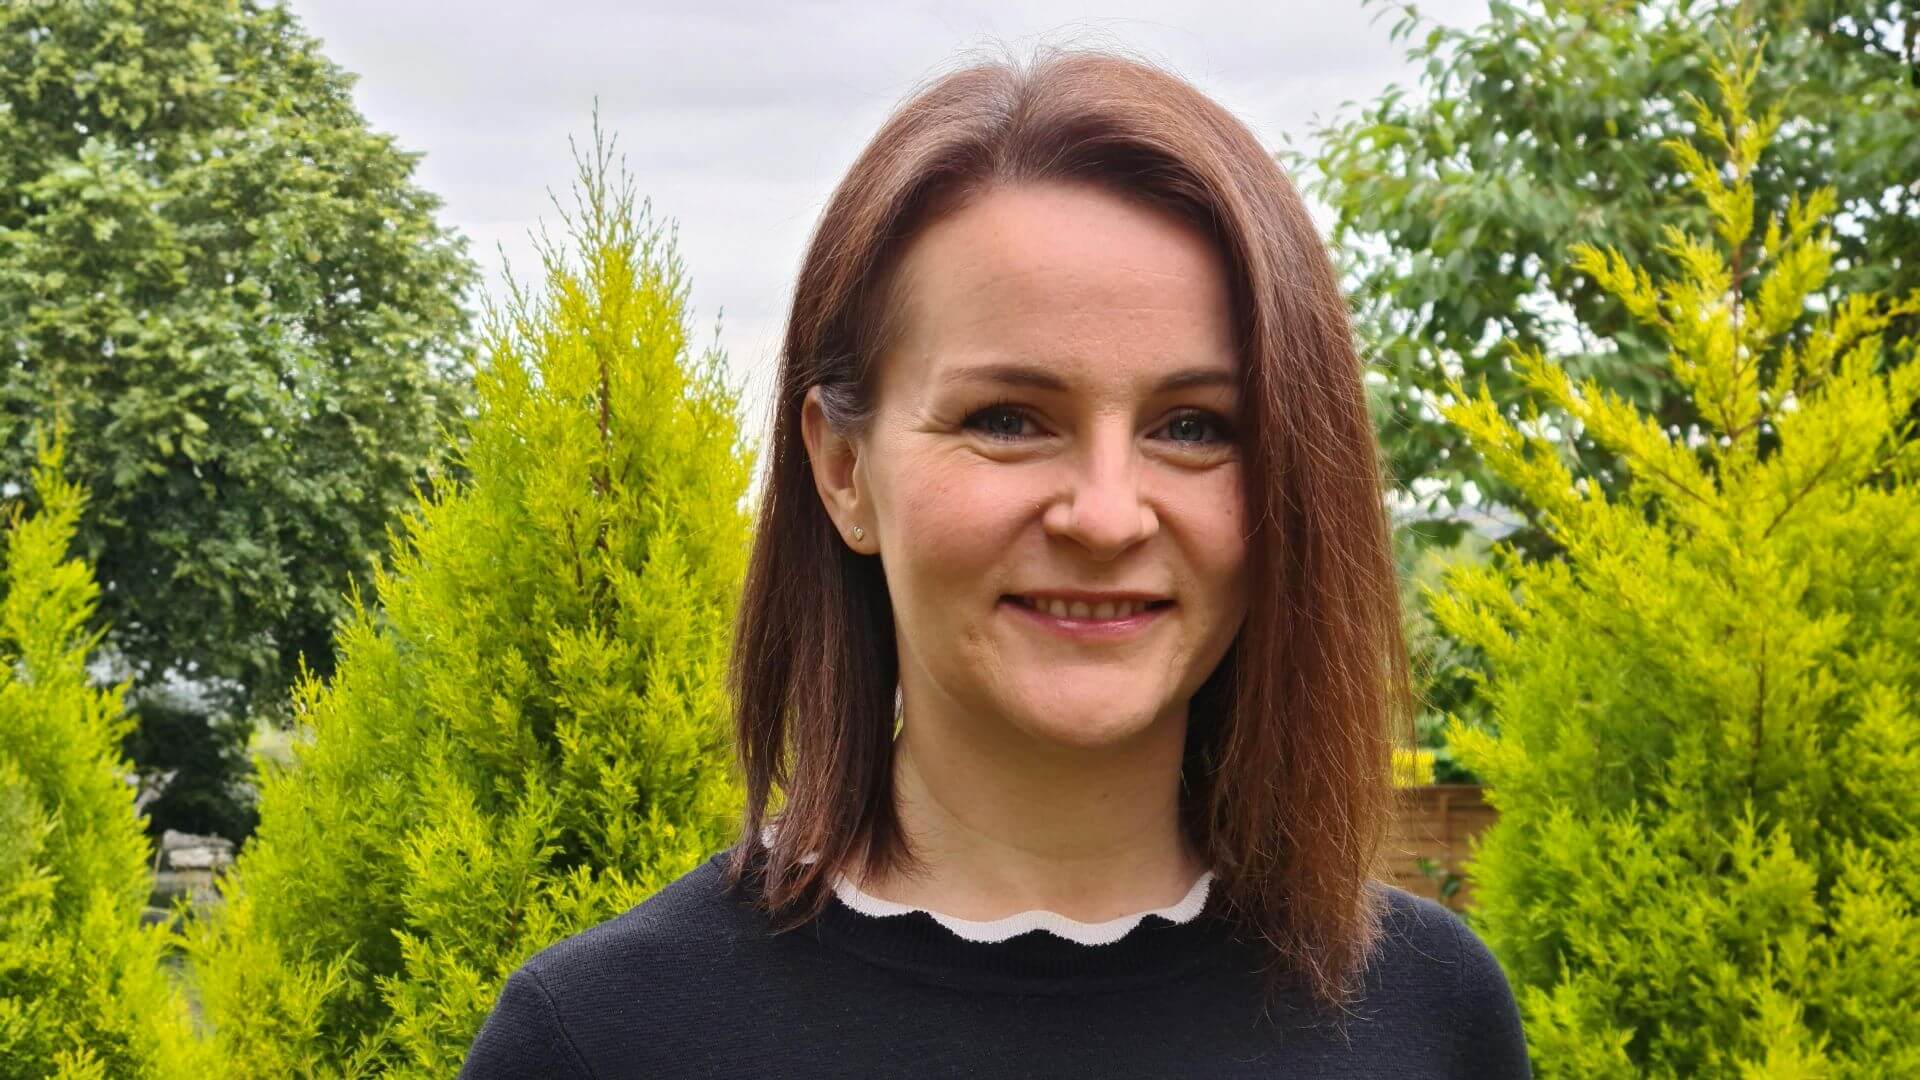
[{"x": 1436, "y": 823}]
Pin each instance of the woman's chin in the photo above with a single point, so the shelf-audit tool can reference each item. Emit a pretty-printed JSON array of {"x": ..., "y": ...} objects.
[{"x": 1092, "y": 722}]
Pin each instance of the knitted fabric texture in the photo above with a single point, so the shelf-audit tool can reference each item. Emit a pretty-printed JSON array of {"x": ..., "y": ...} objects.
[{"x": 695, "y": 983}]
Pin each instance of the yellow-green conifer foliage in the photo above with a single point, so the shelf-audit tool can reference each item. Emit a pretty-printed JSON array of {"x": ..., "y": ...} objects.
[
  {"x": 1707, "y": 763},
  {"x": 529, "y": 734},
  {"x": 82, "y": 990}
]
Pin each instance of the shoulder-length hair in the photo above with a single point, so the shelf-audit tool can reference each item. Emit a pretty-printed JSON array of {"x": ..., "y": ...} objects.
[{"x": 1287, "y": 789}]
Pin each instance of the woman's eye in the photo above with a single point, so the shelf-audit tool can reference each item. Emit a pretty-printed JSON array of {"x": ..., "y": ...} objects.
[
  {"x": 997, "y": 421},
  {"x": 1006, "y": 423},
  {"x": 1197, "y": 424}
]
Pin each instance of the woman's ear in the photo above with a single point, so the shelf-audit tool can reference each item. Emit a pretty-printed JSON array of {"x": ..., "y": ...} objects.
[{"x": 835, "y": 461}]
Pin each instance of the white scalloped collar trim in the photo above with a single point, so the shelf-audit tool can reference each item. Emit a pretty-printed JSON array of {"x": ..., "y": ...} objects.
[{"x": 1105, "y": 932}]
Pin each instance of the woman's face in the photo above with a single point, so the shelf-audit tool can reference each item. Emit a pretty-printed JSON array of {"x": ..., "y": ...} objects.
[{"x": 1055, "y": 423}]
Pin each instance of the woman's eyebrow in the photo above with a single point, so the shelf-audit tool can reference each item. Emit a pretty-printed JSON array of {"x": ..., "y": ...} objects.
[{"x": 1042, "y": 379}]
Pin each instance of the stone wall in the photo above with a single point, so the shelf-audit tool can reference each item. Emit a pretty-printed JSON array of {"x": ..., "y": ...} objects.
[{"x": 184, "y": 868}]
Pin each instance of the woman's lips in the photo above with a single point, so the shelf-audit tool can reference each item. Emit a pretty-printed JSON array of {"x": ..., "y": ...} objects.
[{"x": 1087, "y": 628}]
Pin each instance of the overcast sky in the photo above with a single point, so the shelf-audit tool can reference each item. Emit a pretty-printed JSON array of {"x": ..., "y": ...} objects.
[{"x": 737, "y": 119}]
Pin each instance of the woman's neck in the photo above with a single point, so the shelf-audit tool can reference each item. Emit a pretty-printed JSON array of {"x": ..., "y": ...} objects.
[{"x": 1092, "y": 835}]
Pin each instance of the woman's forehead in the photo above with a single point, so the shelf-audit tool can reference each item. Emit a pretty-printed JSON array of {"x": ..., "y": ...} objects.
[
  {"x": 1041, "y": 245},
  {"x": 1062, "y": 279}
]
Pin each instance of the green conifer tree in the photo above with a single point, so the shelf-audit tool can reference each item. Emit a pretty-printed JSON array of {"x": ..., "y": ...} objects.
[
  {"x": 82, "y": 990},
  {"x": 528, "y": 736},
  {"x": 1707, "y": 763}
]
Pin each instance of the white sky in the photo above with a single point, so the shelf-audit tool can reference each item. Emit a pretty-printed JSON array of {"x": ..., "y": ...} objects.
[{"x": 738, "y": 118}]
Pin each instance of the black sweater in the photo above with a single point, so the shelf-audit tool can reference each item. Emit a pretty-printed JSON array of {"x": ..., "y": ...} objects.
[{"x": 693, "y": 983}]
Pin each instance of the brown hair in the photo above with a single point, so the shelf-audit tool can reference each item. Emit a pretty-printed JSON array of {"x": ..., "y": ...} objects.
[{"x": 1287, "y": 789}]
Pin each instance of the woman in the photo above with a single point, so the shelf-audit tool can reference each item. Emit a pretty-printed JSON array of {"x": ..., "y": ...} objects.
[{"x": 1070, "y": 642}]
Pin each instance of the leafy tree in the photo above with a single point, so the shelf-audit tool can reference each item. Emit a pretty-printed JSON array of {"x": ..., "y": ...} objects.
[
  {"x": 82, "y": 990},
  {"x": 530, "y": 735},
  {"x": 1456, "y": 207},
  {"x": 1707, "y": 765},
  {"x": 235, "y": 295}
]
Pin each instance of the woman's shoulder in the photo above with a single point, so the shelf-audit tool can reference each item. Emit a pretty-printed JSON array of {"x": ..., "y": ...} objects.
[
  {"x": 1416, "y": 920},
  {"x": 1430, "y": 963},
  {"x": 1425, "y": 943},
  {"x": 573, "y": 1003},
  {"x": 683, "y": 919}
]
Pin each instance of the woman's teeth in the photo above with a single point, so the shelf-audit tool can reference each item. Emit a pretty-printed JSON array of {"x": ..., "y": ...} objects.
[{"x": 1079, "y": 609}]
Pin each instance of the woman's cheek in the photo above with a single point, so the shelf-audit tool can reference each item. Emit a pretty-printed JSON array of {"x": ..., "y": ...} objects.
[{"x": 960, "y": 509}]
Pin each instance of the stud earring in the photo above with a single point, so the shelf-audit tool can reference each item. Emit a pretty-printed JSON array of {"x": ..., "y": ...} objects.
[{"x": 859, "y": 533}]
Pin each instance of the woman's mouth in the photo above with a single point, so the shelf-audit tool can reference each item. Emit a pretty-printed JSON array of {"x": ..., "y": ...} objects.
[
  {"x": 1080, "y": 609},
  {"x": 1105, "y": 620}
]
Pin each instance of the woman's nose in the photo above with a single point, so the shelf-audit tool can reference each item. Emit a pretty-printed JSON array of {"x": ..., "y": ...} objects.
[{"x": 1102, "y": 507}]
